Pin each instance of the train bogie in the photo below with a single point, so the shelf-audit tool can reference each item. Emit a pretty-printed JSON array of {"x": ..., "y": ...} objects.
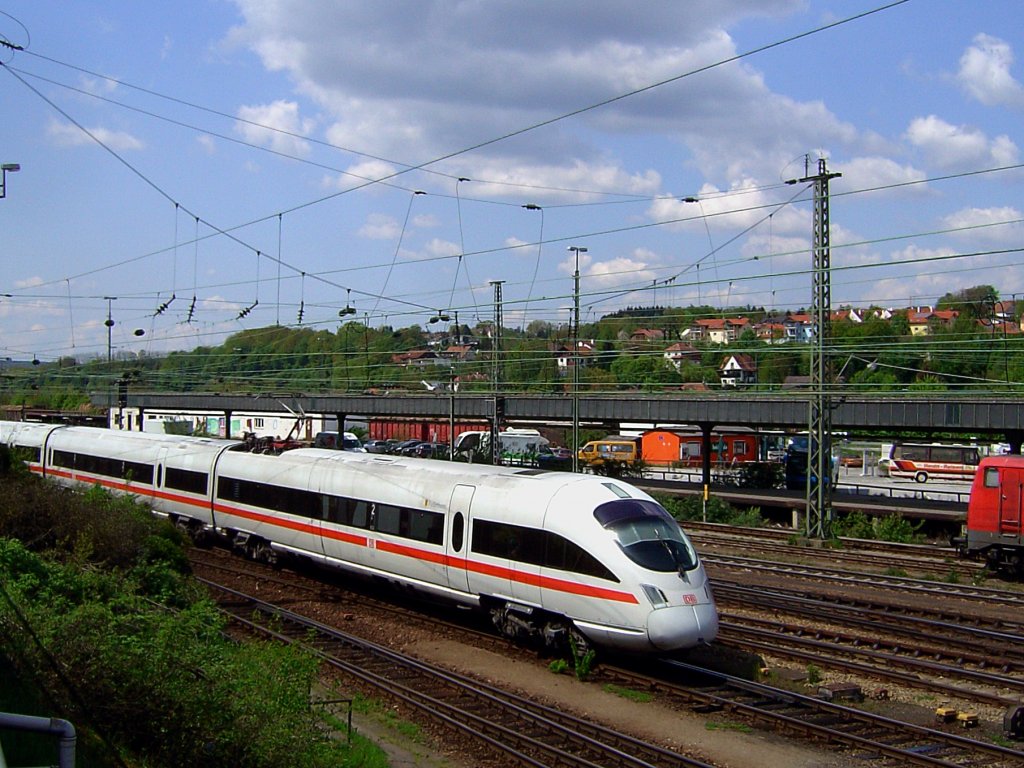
[{"x": 548, "y": 554}]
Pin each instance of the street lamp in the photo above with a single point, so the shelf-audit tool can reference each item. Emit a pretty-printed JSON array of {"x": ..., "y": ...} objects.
[
  {"x": 536, "y": 267},
  {"x": 12, "y": 167},
  {"x": 109, "y": 322},
  {"x": 577, "y": 250}
]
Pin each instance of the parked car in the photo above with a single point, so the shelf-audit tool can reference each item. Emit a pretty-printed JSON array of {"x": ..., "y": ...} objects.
[
  {"x": 407, "y": 447},
  {"x": 549, "y": 457},
  {"x": 376, "y": 446},
  {"x": 431, "y": 451},
  {"x": 343, "y": 441}
]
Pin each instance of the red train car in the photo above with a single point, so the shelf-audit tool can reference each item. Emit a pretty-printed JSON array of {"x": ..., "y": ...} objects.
[
  {"x": 993, "y": 531},
  {"x": 419, "y": 429}
]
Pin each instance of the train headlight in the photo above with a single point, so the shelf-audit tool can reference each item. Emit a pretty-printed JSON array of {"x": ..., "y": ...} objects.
[{"x": 655, "y": 595}]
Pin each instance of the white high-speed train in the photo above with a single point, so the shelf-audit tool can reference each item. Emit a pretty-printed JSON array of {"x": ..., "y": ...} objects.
[{"x": 546, "y": 553}]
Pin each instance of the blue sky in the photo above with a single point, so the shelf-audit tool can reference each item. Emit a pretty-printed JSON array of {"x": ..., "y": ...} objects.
[{"x": 272, "y": 154}]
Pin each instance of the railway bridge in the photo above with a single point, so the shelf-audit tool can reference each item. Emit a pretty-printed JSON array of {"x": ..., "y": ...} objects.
[{"x": 969, "y": 415}]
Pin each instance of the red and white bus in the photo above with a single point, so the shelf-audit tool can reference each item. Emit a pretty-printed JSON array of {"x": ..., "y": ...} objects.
[{"x": 921, "y": 461}]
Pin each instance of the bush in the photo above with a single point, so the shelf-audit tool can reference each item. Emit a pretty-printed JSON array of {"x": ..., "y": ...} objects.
[
  {"x": 895, "y": 528},
  {"x": 898, "y": 529},
  {"x": 93, "y": 629},
  {"x": 855, "y": 525},
  {"x": 759, "y": 474},
  {"x": 685, "y": 508}
]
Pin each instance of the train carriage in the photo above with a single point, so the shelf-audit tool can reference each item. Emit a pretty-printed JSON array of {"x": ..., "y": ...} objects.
[
  {"x": 995, "y": 528},
  {"x": 545, "y": 553},
  {"x": 27, "y": 439}
]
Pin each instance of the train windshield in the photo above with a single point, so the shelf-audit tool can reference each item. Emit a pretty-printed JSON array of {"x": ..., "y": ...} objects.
[{"x": 647, "y": 534}]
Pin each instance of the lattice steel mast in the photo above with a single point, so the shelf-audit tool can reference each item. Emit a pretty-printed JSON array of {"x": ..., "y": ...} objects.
[{"x": 819, "y": 432}]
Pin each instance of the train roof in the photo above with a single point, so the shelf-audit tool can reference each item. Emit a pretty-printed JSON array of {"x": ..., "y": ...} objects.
[{"x": 1010, "y": 460}]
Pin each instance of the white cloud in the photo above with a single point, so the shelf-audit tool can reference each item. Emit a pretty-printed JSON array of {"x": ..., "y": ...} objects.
[
  {"x": 102, "y": 86},
  {"x": 634, "y": 270},
  {"x": 994, "y": 225},
  {"x": 425, "y": 221},
  {"x": 438, "y": 247},
  {"x": 881, "y": 172},
  {"x": 276, "y": 125},
  {"x": 434, "y": 78},
  {"x": 714, "y": 211},
  {"x": 379, "y": 226},
  {"x": 950, "y": 146},
  {"x": 985, "y": 73},
  {"x": 68, "y": 135},
  {"x": 207, "y": 143}
]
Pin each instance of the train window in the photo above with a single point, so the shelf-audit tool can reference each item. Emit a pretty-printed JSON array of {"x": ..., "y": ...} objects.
[
  {"x": 991, "y": 477},
  {"x": 133, "y": 471},
  {"x": 360, "y": 514},
  {"x": 566, "y": 555},
  {"x": 426, "y": 526},
  {"x": 536, "y": 547},
  {"x": 389, "y": 519},
  {"x": 458, "y": 531},
  {"x": 647, "y": 535},
  {"x": 28, "y": 453},
  {"x": 494, "y": 539},
  {"x": 186, "y": 480},
  {"x": 279, "y": 498}
]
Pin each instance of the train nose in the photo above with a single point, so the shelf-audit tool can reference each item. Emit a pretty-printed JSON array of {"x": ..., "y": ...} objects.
[{"x": 682, "y": 626}]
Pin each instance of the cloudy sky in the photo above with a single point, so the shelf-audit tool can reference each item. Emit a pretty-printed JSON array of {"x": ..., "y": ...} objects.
[{"x": 215, "y": 165}]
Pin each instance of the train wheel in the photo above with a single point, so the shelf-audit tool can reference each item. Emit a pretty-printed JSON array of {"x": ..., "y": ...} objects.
[
  {"x": 262, "y": 552},
  {"x": 921, "y": 477}
]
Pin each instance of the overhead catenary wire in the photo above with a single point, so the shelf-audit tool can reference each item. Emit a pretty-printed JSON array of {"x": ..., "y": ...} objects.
[{"x": 461, "y": 255}]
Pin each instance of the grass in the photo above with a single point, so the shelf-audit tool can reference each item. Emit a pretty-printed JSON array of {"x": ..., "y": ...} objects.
[
  {"x": 628, "y": 693},
  {"x": 713, "y": 725}
]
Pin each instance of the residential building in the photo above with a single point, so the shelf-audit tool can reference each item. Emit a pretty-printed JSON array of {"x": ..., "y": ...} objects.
[{"x": 737, "y": 370}]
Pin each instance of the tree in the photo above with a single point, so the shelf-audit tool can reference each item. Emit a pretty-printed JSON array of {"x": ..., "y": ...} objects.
[{"x": 977, "y": 302}]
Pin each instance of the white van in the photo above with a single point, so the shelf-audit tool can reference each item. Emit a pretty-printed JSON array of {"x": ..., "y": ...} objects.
[{"x": 343, "y": 441}]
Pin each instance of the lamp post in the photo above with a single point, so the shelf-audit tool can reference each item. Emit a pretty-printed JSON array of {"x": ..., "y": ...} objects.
[
  {"x": 12, "y": 167},
  {"x": 575, "y": 359},
  {"x": 109, "y": 322},
  {"x": 711, "y": 243},
  {"x": 536, "y": 267}
]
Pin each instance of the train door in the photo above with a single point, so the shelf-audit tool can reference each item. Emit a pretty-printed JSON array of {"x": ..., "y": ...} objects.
[
  {"x": 1010, "y": 499},
  {"x": 159, "y": 500},
  {"x": 457, "y": 540}
]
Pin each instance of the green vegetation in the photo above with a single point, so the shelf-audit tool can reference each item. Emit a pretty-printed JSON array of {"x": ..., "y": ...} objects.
[
  {"x": 894, "y": 528},
  {"x": 684, "y": 508},
  {"x": 559, "y": 666},
  {"x": 583, "y": 660},
  {"x": 875, "y": 355},
  {"x": 641, "y": 697},
  {"x": 105, "y": 628},
  {"x": 813, "y": 674},
  {"x": 714, "y": 725}
]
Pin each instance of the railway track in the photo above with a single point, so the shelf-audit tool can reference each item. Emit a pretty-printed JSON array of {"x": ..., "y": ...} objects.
[
  {"x": 523, "y": 731},
  {"x": 993, "y": 596},
  {"x": 938, "y": 561},
  {"x": 802, "y": 714},
  {"x": 996, "y": 644},
  {"x": 868, "y": 736}
]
